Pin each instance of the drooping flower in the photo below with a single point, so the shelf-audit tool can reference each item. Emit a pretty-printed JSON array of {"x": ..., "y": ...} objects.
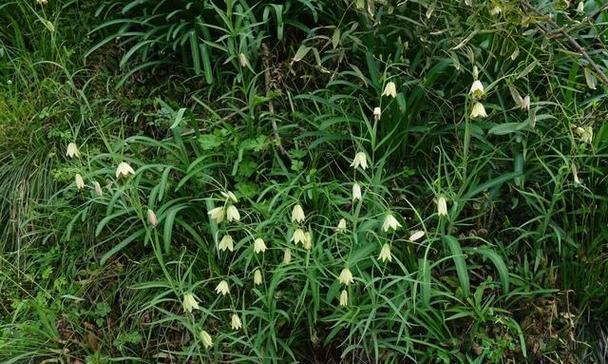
[
  {"x": 297, "y": 214},
  {"x": 235, "y": 322},
  {"x": 72, "y": 151},
  {"x": 218, "y": 214},
  {"x": 287, "y": 256},
  {"x": 478, "y": 111},
  {"x": 189, "y": 303},
  {"x": 259, "y": 246},
  {"x": 307, "y": 240},
  {"x": 377, "y": 114},
  {"x": 226, "y": 243},
  {"x": 343, "y": 298},
  {"x": 257, "y": 277},
  {"x": 124, "y": 170},
  {"x": 525, "y": 103},
  {"x": 346, "y": 277},
  {"x": 298, "y": 236},
  {"x": 222, "y": 288},
  {"x": 390, "y": 90},
  {"x": 585, "y": 134},
  {"x": 243, "y": 61},
  {"x": 581, "y": 7},
  {"x": 341, "y": 226},
  {"x": 356, "y": 192},
  {"x": 416, "y": 235},
  {"x": 577, "y": 180},
  {"x": 496, "y": 10},
  {"x": 229, "y": 196},
  {"x": 232, "y": 214},
  {"x": 360, "y": 160},
  {"x": 98, "y": 190},
  {"x": 385, "y": 253},
  {"x": 442, "y": 206},
  {"x": 152, "y": 218},
  {"x": 79, "y": 181},
  {"x": 206, "y": 339},
  {"x": 477, "y": 90},
  {"x": 390, "y": 223}
]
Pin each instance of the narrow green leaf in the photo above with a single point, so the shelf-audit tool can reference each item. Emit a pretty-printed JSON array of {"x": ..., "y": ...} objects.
[
  {"x": 459, "y": 262},
  {"x": 168, "y": 226}
]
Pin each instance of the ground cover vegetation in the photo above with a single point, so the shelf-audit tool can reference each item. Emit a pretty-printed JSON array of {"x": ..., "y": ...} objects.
[{"x": 312, "y": 181}]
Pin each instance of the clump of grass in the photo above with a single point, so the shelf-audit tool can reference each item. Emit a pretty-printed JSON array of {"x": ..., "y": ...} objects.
[{"x": 327, "y": 187}]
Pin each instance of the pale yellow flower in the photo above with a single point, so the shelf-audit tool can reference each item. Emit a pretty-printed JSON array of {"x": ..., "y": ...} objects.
[
  {"x": 442, "y": 206},
  {"x": 42, "y": 2},
  {"x": 298, "y": 236},
  {"x": 390, "y": 223},
  {"x": 257, "y": 277},
  {"x": 385, "y": 253},
  {"x": 341, "y": 226},
  {"x": 218, "y": 214},
  {"x": 496, "y": 10},
  {"x": 229, "y": 196},
  {"x": 525, "y": 103},
  {"x": 79, "y": 181},
  {"x": 478, "y": 111},
  {"x": 360, "y": 160},
  {"x": 235, "y": 322},
  {"x": 98, "y": 190},
  {"x": 243, "y": 61},
  {"x": 377, "y": 114},
  {"x": 152, "y": 218},
  {"x": 390, "y": 90},
  {"x": 222, "y": 288},
  {"x": 416, "y": 235},
  {"x": 577, "y": 181},
  {"x": 356, "y": 192},
  {"x": 189, "y": 303},
  {"x": 259, "y": 246},
  {"x": 124, "y": 170},
  {"x": 581, "y": 7},
  {"x": 72, "y": 151},
  {"x": 343, "y": 298},
  {"x": 226, "y": 243},
  {"x": 297, "y": 214},
  {"x": 585, "y": 134},
  {"x": 307, "y": 240},
  {"x": 206, "y": 339},
  {"x": 477, "y": 90},
  {"x": 346, "y": 277},
  {"x": 287, "y": 256},
  {"x": 232, "y": 214}
]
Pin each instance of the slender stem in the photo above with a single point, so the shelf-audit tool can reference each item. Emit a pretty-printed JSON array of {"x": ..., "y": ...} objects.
[{"x": 573, "y": 43}]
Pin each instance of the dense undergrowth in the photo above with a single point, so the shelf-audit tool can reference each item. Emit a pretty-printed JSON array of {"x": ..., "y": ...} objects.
[{"x": 303, "y": 181}]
